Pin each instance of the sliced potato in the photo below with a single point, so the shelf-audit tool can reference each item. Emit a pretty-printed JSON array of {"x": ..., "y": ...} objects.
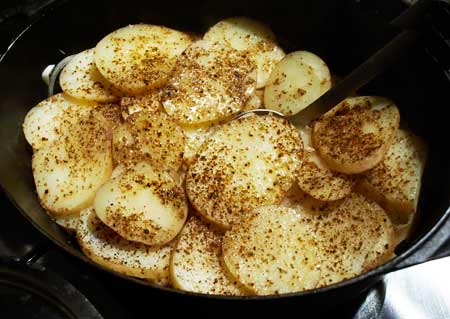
[
  {"x": 294, "y": 84},
  {"x": 247, "y": 163},
  {"x": 316, "y": 179},
  {"x": 42, "y": 124},
  {"x": 253, "y": 37},
  {"x": 69, "y": 223},
  {"x": 319, "y": 67},
  {"x": 196, "y": 265},
  {"x": 196, "y": 135},
  {"x": 272, "y": 251},
  {"x": 68, "y": 172},
  {"x": 149, "y": 136},
  {"x": 209, "y": 82},
  {"x": 105, "y": 247},
  {"x": 395, "y": 182},
  {"x": 81, "y": 79},
  {"x": 142, "y": 204},
  {"x": 355, "y": 135},
  {"x": 256, "y": 101},
  {"x": 139, "y": 57},
  {"x": 150, "y": 101}
]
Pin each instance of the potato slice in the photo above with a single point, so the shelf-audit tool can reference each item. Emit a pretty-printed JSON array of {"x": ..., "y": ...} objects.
[
  {"x": 42, "y": 123},
  {"x": 142, "y": 204},
  {"x": 209, "y": 82},
  {"x": 81, "y": 79},
  {"x": 316, "y": 179},
  {"x": 105, "y": 247},
  {"x": 139, "y": 57},
  {"x": 196, "y": 265},
  {"x": 69, "y": 223},
  {"x": 247, "y": 163},
  {"x": 294, "y": 84},
  {"x": 150, "y": 102},
  {"x": 149, "y": 136},
  {"x": 272, "y": 251},
  {"x": 253, "y": 37},
  {"x": 256, "y": 101},
  {"x": 68, "y": 172},
  {"x": 395, "y": 182},
  {"x": 355, "y": 135}
]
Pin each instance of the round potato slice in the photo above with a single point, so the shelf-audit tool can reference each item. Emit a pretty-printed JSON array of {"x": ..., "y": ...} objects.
[
  {"x": 139, "y": 57},
  {"x": 42, "y": 124},
  {"x": 150, "y": 102},
  {"x": 253, "y": 37},
  {"x": 210, "y": 82},
  {"x": 355, "y": 135},
  {"x": 105, "y": 247},
  {"x": 69, "y": 223},
  {"x": 247, "y": 163},
  {"x": 81, "y": 79},
  {"x": 318, "y": 65},
  {"x": 272, "y": 251},
  {"x": 68, "y": 172},
  {"x": 142, "y": 204},
  {"x": 316, "y": 179},
  {"x": 149, "y": 136},
  {"x": 196, "y": 265},
  {"x": 295, "y": 83},
  {"x": 256, "y": 101}
]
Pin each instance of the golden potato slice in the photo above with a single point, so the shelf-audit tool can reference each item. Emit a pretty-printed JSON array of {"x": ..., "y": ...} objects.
[
  {"x": 395, "y": 182},
  {"x": 42, "y": 124},
  {"x": 196, "y": 265},
  {"x": 272, "y": 251},
  {"x": 355, "y": 135},
  {"x": 316, "y": 179},
  {"x": 81, "y": 79},
  {"x": 247, "y": 163},
  {"x": 319, "y": 67},
  {"x": 150, "y": 101},
  {"x": 149, "y": 136},
  {"x": 209, "y": 82},
  {"x": 253, "y": 37},
  {"x": 69, "y": 223},
  {"x": 68, "y": 172},
  {"x": 293, "y": 85},
  {"x": 142, "y": 204},
  {"x": 139, "y": 57},
  {"x": 105, "y": 247}
]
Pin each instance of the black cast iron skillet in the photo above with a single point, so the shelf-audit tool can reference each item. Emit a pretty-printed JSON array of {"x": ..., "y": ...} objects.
[{"x": 342, "y": 32}]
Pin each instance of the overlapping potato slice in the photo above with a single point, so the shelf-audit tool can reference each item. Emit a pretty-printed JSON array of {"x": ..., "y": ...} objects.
[
  {"x": 395, "y": 182},
  {"x": 42, "y": 124},
  {"x": 68, "y": 172},
  {"x": 142, "y": 204},
  {"x": 150, "y": 101},
  {"x": 355, "y": 135},
  {"x": 272, "y": 252},
  {"x": 256, "y": 101},
  {"x": 353, "y": 235},
  {"x": 316, "y": 179},
  {"x": 247, "y": 163},
  {"x": 149, "y": 136},
  {"x": 69, "y": 223},
  {"x": 210, "y": 82},
  {"x": 107, "y": 248},
  {"x": 295, "y": 82},
  {"x": 251, "y": 36},
  {"x": 81, "y": 79},
  {"x": 196, "y": 265},
  {"x": 139, "y": 57}
]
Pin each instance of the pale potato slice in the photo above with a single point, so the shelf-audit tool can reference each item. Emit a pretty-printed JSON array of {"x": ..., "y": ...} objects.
[
  {"x": 355, "y": 135},
  {"x": 293, "y": 85},
  {"x": 256, "y": 101},
  {"x": 272, "y": 251},
  {"x": 150, "y": 101},
  {"x": 353, "y": 236},
  {"x": 319, "y": 66},
  {"x": 196, "y": 135},
  {"x": 42, "y": 123},
  {"x": 142, "y": 204},
  {"x": 247, "y": 163},
  {"x": 69, "y": 223},
  {"x": 139, "y": 57},
  {"x": 316, "y": 179},
  {"x": 196, "y": 265},
  {"x": 105, "y": 247},
  {"x": 69, "y": 171},
  {"x": 395, "y": 182},
  {"x": 149, "y": 136},
  {"x": 81, "y": 79},
  {"x": 253, "y": 37},
  {"x": 210, "y": 82}
]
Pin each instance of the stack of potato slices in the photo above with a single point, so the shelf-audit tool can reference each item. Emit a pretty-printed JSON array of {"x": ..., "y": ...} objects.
[{"x": 141, "y": 158}]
